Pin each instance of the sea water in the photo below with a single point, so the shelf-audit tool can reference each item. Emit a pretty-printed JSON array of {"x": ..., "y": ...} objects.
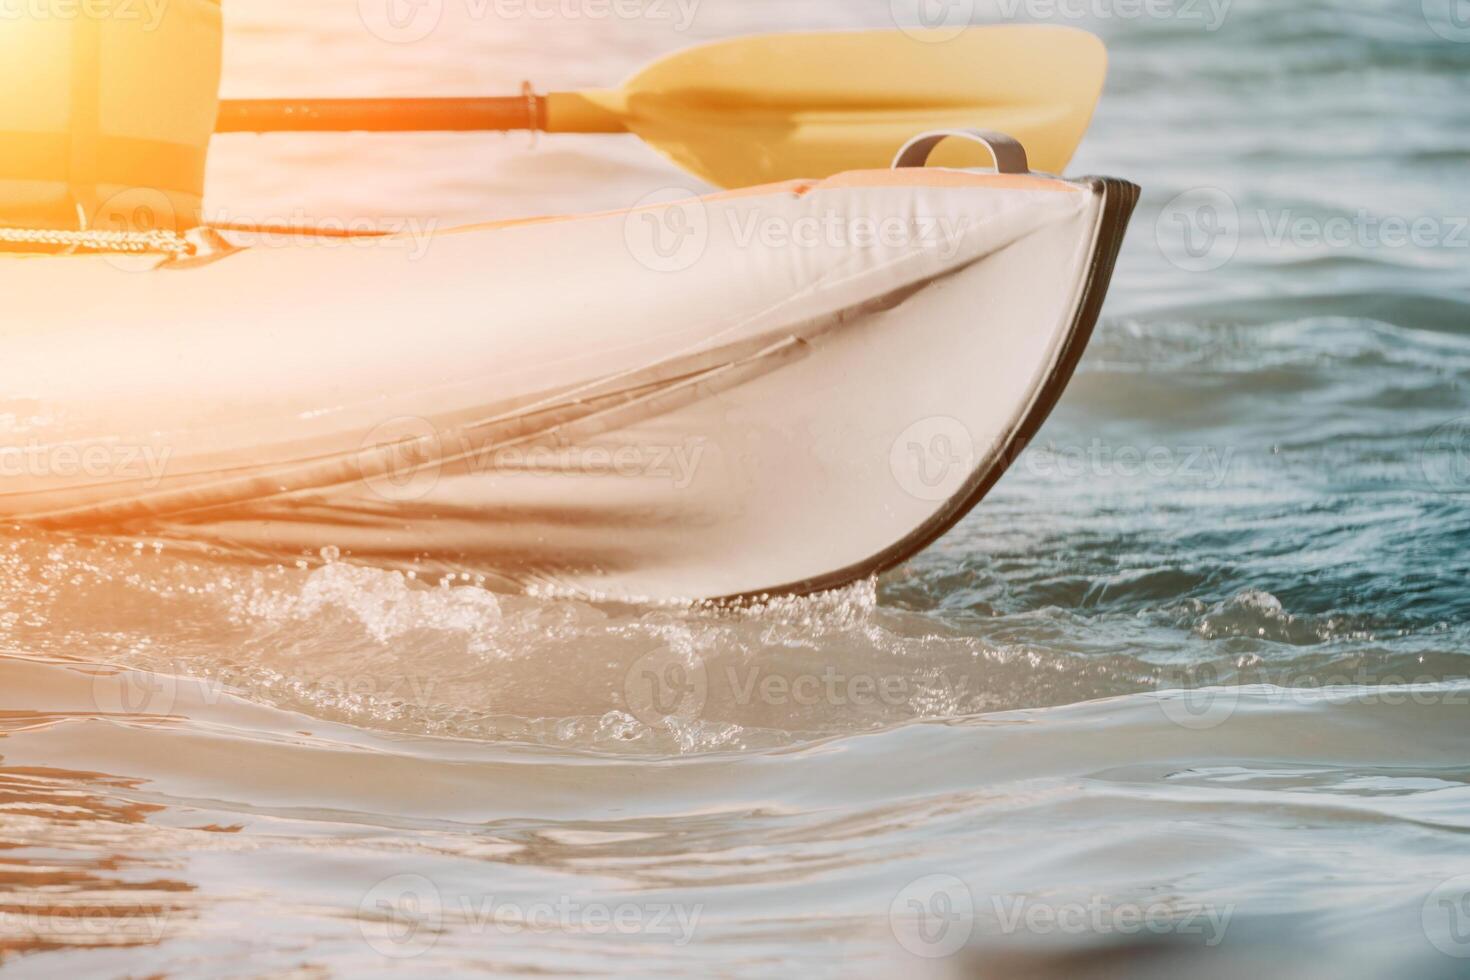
[{"x": 1187, "y": 695}]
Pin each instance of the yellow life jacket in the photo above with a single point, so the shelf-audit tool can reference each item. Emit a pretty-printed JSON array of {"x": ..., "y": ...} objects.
[{"x": 106, "y": 112}]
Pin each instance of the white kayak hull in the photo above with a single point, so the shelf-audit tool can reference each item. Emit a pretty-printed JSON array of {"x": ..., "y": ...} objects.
[{"x": 781, "y": 390}]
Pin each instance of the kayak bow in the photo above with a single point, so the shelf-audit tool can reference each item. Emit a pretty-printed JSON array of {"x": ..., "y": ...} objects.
[{"x": 778, "y": 390}]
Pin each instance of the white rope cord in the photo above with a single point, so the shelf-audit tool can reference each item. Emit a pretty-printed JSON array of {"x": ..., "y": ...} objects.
[{"x": 137, "y": 242}]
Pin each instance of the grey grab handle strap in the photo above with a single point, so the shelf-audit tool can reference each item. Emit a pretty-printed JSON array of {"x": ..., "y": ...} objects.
[{"x": 1010, "y": 156}]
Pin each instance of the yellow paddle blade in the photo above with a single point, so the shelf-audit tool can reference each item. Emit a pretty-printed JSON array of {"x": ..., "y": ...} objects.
[{"x": 767, "y": 108}]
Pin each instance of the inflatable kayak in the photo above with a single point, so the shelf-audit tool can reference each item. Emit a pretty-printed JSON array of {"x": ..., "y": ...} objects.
[{"x": 782, "y": 389}]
